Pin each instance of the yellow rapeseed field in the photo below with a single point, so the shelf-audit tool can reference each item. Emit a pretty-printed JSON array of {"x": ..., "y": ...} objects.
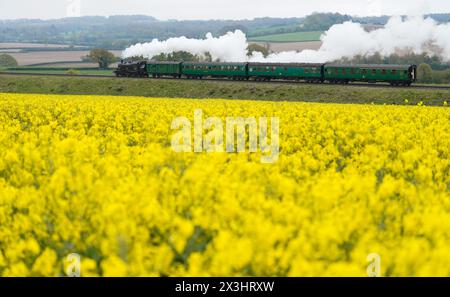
[{"x": 97, "y": 176}]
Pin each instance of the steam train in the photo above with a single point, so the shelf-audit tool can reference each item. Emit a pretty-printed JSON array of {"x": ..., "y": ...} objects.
[{"x": 396, "y": 75}]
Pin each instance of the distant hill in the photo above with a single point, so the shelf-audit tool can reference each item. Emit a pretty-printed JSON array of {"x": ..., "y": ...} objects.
[{"x": 118, "y": 32}]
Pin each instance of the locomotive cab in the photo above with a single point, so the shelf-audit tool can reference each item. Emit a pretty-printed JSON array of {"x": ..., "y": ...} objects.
[{"x": 132, "y": 69}]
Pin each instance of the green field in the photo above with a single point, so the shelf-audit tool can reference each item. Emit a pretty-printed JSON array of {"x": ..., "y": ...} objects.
[
  {"x": 56, "y": 70},
  {"x": 226, "y": 90},
  {"x": 290, "y": 37},
  {"x": 274, "y": 30}
]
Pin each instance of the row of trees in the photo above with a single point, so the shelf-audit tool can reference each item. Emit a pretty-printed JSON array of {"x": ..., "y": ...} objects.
[
  {"x": 425, "y": 74},
  {"x": 436, "y": 62}
]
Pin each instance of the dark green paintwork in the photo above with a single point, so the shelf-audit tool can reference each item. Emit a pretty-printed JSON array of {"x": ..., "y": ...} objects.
[
  {"x": 164, "y": 68},
  {"x": 215, "y": 69},
  {"x": 334, "y": 73},
  {"x": 285, "y": 71},
  {"x": 369, "y": 73}
]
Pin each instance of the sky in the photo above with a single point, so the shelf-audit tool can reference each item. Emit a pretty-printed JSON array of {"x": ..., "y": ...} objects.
[{"x": 215, "y": 9}]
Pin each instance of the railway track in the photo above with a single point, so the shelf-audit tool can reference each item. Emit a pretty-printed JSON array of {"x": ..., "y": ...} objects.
[{"x": 360, "y": 85}]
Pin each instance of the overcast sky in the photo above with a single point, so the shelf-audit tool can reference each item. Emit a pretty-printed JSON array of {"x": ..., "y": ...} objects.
[{"x": 214, "y": 9}]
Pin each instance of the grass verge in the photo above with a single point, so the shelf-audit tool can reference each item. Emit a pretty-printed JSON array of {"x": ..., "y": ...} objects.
[{"x": 226, "y": 90}]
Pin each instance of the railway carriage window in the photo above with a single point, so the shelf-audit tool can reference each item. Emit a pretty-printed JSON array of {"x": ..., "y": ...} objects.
[
  {"x": 374, "y": 71},
  {"x": 394, "y": 72},
  {"x": 344, "y": 72},
  {"x": 406, "y": 71},
  {"x": 383, "y": 72},
  {"x": 364, "y": 71}
]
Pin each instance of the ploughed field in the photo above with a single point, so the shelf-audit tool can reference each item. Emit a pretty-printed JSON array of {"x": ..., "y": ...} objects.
[{"x": 97, "y": 176}]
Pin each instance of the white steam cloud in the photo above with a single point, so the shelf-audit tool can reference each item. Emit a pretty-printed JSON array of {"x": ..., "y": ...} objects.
[{"x": 412, "y": 35}]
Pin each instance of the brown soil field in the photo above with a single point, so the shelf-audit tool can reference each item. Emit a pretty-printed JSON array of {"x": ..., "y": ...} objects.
[
  {"x": 32, "y": 58},
  {"x": 292, "y": 46},
  {"x": 30, "y": 45},
  {"x": 12, "y": 50},
  {"x": 74, "y": 65}
]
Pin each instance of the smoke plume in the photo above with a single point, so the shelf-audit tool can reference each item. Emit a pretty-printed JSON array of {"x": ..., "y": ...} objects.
[{"x": 411, "y": 35}]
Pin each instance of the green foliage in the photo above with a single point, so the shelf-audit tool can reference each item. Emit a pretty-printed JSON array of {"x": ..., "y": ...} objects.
[
  {"x": 7, "y": 61},
  {"x": 134, "y": 59},
  {"x": 179, "y": 56},
  {"x": 254, "y": 47},
  {"x": 73, "y": 72},
  {"x": 425, "y": 73},
  {"x": 323, "y": 21},
  {"x": 232, "y": 28},
  {"x": 118, "y": 32},
  {"x": 275, "y": 30},
  {"x": 103, "y": 57},
  {"x": 435, "y": 62}
]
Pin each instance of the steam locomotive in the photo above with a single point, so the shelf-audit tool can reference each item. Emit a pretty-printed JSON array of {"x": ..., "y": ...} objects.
[{"x": 396, "y": 75}]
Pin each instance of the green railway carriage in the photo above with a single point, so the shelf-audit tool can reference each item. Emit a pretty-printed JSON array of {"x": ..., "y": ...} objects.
[
  {"x": 396, "y": 75},
  {"x": 213, "y": 69},
  {"x": 393, "y": 74},
  {"x": 161, "y": 69},
  {"x": 292, "y": 71}
]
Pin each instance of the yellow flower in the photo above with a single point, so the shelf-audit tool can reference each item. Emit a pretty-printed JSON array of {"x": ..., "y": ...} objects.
[{"x": 96, "y": 176}]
